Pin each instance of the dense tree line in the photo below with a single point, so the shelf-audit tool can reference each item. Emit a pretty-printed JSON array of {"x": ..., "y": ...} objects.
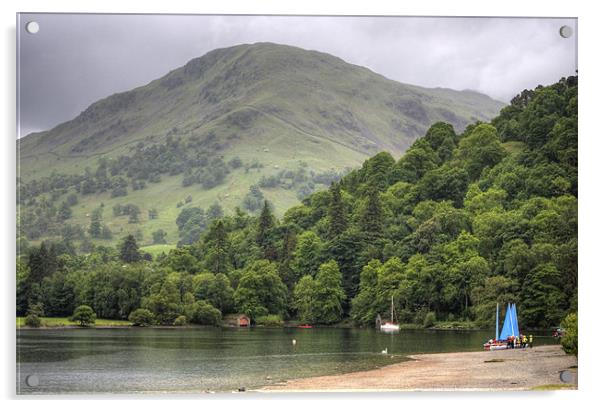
[
  {"x": 193, "y": 221},
  {"x": 46, "y": 203},
  {"x": 303, "y": 180},
  {"x": 459, "y": 223},
  {"x": 42, "y": 213}
]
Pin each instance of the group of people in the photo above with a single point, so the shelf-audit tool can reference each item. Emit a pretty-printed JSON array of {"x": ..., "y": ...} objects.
[
  {"x": 520, "y": 341},
  {"x": 511, "y": 342}
]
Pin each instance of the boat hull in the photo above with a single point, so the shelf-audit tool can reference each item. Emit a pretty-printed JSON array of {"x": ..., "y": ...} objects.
[
  {"x": 389, "y": 328},
  {"x": 493, "y": 347}
]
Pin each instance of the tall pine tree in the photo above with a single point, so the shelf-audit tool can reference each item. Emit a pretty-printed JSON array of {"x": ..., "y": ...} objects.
[
  {"x": 129, "y": 250},
  {"x": 264, "y": 232},
  {"x": 95, "y": 223},
  {"x": 337, "y": 219},
  {"x": 64, "y": 212},
  {"x": 41, "y": 262},
  {"x": 371, "y": 222},
  {"x": 218, "y": 254},
  {"x": 289, "y": 243}
]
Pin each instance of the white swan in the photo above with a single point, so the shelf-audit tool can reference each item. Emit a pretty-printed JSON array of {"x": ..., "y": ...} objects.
[{"x": 385, "y": 351}]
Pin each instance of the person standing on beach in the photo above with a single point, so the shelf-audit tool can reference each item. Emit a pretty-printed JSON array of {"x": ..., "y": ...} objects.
[{"x": 530, "y": 340}]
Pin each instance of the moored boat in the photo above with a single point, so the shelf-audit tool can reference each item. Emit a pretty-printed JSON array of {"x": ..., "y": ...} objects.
[
  {"x": 390, "y": 326},
  {"x": 509, "y": 331},
  {"x": 495, "y": 345}
]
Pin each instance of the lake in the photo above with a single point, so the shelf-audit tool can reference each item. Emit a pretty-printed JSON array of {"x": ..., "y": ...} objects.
[{"x": 135, "y": 360}]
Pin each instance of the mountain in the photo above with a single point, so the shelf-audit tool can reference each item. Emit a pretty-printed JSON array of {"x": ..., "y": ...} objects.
[{"x": 274, "y": 109}]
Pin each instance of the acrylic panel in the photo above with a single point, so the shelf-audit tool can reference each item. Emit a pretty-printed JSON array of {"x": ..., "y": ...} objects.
[{"x": 211, "y": 203}]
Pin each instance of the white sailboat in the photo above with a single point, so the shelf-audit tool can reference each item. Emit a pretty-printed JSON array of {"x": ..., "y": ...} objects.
[{"x": 390, "y": 326}]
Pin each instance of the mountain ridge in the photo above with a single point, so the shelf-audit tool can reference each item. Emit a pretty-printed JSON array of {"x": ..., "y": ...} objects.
[
  {"x": 231, "y": 58},
  {"x": 276, "y": 110}
]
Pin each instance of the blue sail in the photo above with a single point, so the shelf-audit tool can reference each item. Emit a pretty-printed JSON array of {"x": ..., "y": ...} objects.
[
  {"x": 507, "y": 327},
  {"x": 515, "y": 330}
]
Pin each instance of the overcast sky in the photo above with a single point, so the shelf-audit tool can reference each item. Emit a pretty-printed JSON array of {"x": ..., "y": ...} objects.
[{"x": 75, "y": 60}]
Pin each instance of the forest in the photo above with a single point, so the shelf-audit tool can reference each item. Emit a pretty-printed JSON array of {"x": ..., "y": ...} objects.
[
  {"x": 47, "y": 202},
  {"x": 459, "y": 223}
]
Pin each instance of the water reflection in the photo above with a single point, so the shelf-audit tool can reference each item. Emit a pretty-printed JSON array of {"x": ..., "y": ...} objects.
[{"x": 192, "y": 359}]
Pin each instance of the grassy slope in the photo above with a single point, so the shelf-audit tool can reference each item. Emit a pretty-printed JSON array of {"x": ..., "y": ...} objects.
[
  {"x": 301, "y": 105},
  {"x": 158, "y": 249},
  {"x": 64, "y": 321}
]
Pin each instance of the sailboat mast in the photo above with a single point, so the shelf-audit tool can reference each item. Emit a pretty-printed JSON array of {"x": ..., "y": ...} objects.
[
  {"x": 497, "y": 319},
  {"x": 512, "y": 320}
]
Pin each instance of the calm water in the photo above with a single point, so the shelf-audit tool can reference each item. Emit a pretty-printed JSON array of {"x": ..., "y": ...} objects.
[{"x": 133, "y": 360}]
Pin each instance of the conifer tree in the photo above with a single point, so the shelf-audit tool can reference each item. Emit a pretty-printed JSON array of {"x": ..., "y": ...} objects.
[
  {"x": 95, "y": 223},
  {"x": 371, "y": 221},
  {"x": 41, "y": 263},
  {"x": 337, "y": 221},
  {"x": 308, "y": 255},
  {"x": 129, "y": 250},
  {"x": 287, "y": 251},
  {"x": 218, "y": 256},
  {"x": 64, "y": 212},
  {"x": 264, "y": 229}
]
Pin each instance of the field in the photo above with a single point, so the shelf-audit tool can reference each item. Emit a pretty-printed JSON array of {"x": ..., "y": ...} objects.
[
  {"x": 64, "y": 321},
  {"x": 157, "y": 249}
]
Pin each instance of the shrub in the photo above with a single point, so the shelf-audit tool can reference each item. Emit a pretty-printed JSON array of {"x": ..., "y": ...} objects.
[
  {"x": 180, "y": 321},
  {"x": 83, "y": 315},
  {"x": 269, "y": 321},
  {"x": 405, "y": 316},
  {"x": 204, "y": 313},
  {"x": 141, "y": 317},
  {"x": 420, "y": 315},
  {"x": 159, "y": 237},
  {"x": 235, "y": 162},
  {"x": 569, "y": 339},
  {"x": 33, "y": 320},
  {"x": 119, "y": 192},
  {"x": 429, "y": 319},
  {"x": 72, "y": 199}
]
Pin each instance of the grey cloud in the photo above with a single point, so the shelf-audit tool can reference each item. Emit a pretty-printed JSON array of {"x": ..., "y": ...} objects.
[{"x": 77, "y": 59}]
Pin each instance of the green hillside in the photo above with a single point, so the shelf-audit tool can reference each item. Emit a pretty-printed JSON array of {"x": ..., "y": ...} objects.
[
  {"x": 460, "y": 223},
  {"x": 286, "y": 119}
]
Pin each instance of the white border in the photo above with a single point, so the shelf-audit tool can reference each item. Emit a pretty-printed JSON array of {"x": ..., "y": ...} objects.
[{"x": 590, "y": 149}]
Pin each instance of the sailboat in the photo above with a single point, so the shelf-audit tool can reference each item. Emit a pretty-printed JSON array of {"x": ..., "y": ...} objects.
[
  {"x": 509, "y": 329},
  {"x": 390, "y": 326}
]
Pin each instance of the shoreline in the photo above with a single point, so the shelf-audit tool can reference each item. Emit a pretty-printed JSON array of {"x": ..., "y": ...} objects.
[
  {"x": 63, "y": 323},
  {"x": 192, "y": 326},
  {"x": 126, "y": 324},
  {"x": 501, "y": 370}
]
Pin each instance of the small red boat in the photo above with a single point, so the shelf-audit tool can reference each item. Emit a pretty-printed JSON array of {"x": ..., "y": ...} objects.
[{"x": 305, "y": 326}]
